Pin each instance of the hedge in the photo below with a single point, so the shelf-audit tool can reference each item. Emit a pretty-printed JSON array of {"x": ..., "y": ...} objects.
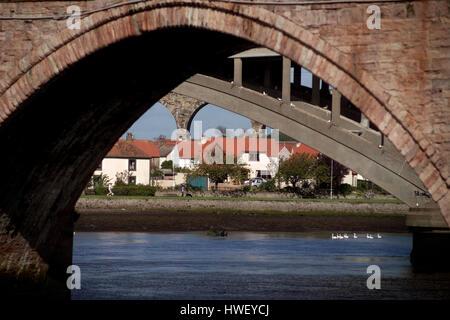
[
  {"x": 134, "y": 190},
  {"x": 100, "y": 190}
]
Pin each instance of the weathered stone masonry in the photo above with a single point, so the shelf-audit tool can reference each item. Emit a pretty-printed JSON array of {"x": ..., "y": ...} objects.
[{"x": 398, "y": 76}]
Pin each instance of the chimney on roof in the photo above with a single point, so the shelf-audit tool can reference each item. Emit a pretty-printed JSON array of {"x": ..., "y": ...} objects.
[{"x": 130, "y": 137}]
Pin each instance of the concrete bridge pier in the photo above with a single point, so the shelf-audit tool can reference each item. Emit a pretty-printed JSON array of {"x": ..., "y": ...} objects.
[{"x": 431, "y": 240}]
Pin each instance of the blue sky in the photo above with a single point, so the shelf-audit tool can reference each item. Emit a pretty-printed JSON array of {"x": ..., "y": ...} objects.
[{"x": 159, "y": 121}]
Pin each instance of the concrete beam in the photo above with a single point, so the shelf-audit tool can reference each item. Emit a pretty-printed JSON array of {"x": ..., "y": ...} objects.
[
  {"x": 255, "y": 53},
  {"x": 237, "y": 78},
  {"x": 365, "y": 123},
  {"x": 286, "y": 81},
  {"x": 336, "y": 107}
]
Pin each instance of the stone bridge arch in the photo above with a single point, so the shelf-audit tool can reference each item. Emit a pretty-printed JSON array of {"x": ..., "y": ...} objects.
[
  {"x": 35, "y": 227},
  {"x": 184, "y": 109}
]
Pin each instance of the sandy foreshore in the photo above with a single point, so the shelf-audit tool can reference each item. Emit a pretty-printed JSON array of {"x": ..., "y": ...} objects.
[{"x": 166, "y": 220}]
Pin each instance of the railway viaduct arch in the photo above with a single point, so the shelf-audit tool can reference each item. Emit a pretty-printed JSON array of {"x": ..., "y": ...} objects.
[{"x": 401, "y": 83}]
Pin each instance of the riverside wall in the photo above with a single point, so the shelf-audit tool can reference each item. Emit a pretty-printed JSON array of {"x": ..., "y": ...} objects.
[{"x": 245, "y": 205}]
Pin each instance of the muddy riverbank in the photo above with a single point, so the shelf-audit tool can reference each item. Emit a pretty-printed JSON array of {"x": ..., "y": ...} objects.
[{"x": 165, "y": 220}]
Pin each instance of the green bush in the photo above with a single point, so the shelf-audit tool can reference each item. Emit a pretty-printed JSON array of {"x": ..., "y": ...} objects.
[
  {"x": 100, "y": 190},
  {"x": 167, "y": 164},
  {"x": 268, "y": 186},
  {"x": 134, "y": 190},
  {"x": 364, "y": 185},
  {"x": 345, "y": 189},
  {"x": 246, "y": 188}
]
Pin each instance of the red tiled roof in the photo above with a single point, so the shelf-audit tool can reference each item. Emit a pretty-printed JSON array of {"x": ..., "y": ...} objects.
[
  {"x": 149, "y": 147},
  {"x": 134, "y": 149},
  {"x": 303, "y": 148}
]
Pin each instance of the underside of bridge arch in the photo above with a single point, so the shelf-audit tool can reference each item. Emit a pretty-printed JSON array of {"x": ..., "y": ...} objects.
[
  {"x": 73, "y": 97},
  {"x": 58, "y": 136}
]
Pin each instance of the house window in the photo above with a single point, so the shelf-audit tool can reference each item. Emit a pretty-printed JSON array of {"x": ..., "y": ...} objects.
[
  {"x": 131, "y": 164},
  {"x": 265, "y": 174},
  {"x": 254, "y": 156},
  {"x": 131, "y": 180}
]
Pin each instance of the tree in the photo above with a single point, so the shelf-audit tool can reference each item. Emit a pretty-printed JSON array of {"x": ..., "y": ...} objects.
[
  {"x": 299, "y": 166},
  {"x": 122, "y": 178},
  {"x": 215, "y": 172},
  {"x": 167, "y": 164},
  {"x": 219, "y": 172},
  {"x": 238, "y": 172},
  {"x": 156, "y": 173},
  {"x": 339, "y": 171}
]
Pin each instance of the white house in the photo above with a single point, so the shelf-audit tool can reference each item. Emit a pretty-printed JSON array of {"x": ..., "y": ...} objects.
[
  {"x": 132, "y": 156},
  {"x": 260, "y": 155}
]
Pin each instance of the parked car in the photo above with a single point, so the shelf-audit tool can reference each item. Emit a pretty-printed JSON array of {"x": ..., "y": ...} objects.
[{"x": 255, "y": 182}]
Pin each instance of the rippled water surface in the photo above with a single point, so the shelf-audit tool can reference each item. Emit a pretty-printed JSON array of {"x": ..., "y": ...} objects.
[{"x": 248, "y": 265}]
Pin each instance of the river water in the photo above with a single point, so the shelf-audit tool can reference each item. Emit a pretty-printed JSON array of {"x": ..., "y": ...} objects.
[{"x": 248, "y": 265}]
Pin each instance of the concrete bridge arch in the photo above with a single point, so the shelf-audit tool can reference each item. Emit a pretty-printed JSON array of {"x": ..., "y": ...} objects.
[{"x": 32, "y": 229}]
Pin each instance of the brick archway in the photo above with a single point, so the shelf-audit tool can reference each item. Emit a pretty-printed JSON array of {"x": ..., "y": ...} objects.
[
  {"x": 251, "y": 23},
  {"x": 265, "y": 28}
]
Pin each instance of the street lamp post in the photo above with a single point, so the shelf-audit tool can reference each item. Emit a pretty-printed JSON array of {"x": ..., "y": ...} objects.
[
  {"x": 173, "y": 176},
  {"x": 331, "y": 184}
]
